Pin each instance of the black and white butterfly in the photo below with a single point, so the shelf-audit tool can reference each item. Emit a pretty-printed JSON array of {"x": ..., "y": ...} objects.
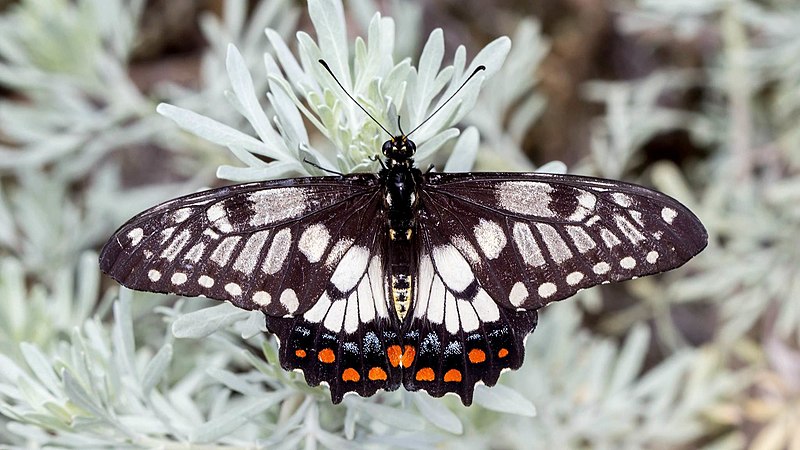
[{"x": 426, "y": 280}]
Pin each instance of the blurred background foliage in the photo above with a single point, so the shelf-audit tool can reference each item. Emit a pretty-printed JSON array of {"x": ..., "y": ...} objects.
[{"x": 697, "y": 98}]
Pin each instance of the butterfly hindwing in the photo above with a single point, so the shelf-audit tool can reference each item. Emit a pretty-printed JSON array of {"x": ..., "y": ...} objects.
[
  {"x": 529, "y": 239},
  {"x": 348, "y": 338},
  {"x": 347, "y": 362},
  {"x": 271, "y": 246},
  {"x": 453, "y": 362}
]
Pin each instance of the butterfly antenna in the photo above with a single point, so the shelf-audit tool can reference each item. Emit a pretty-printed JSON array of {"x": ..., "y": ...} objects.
[
  {"x": 474, "y": 72},
  {"x": 400, "y": 127},
  {"x": 325, "y": 65}
]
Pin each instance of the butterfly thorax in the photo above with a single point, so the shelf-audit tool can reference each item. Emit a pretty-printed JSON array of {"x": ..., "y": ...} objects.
[{"x": 400, "y": 182}]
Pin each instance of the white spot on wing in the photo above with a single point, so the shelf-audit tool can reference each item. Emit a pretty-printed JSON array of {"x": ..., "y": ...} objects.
[
  {"x": 637, "y": 217},
  {"x": 273, "y": 205},
  {"x": 465, "y": 247},
  {"x": 366, "y": 301},
  {"x": 136, "y": 235},
  {"x": 351, "y": 268},
  {"x": 425, "y": 278},
  {"x": 219, "y": 218},
  {"x": 335, "y": 317},
  {"x": 518, "y": 295},
  {"x": 652, "y": 257},
  {"x": 574, "y": 278},
  {"x": 196, "y": 252},
  {"x": 178, "y": 278},
  {"x": 486, "y": 307},
  {"x": 233, "y": 289},
  {"x": 205, "y": 281},
  {"x": 558, "y": 249},
  {"x": 585, "y": 208},
  {"x": 166, "y": 234},
  {"x": 526, "y": 245},
  {"x": 436, "y": 301},
  {"x": 278, "y": 251},
  {"x": 351, "y": 314},
  {"x": 181, "y": 215},
  {"x": 261, "y": 298},
  {"x": 609, "y": 238},
  {"x": 630, "y": 231},
  {"x": 224, "y": 250},
  {"x": 450, "y": 313},
  {"x": 490, "y": 237},
  {"x": 337, "y": 251},
  {"x": 251, "y": 252},
  {"x": 469, "y": 319},
  {"x": 547, "y": 290},
  {"x": 593, "y": 220},
  {"x": 583, "y": 242},
  {"x": 622, "y": 199},
  {"x": 627, "y": 262},
  {"x": 289, "y": 300},
  {"x": 211, "y": 233},
  {"x": 452, "y": 267},
  {"x": 154, "y": 275},
  {"x": 314, "y": 241},
  {"x": 176, "y": 245},
  {"x": 379, "y": 293},
  {"x": 668, "y": 214},
  {"x": 525, "y": 197},
  {"x": 601, "y": 268},
  {"x": 318, "y": 311}
]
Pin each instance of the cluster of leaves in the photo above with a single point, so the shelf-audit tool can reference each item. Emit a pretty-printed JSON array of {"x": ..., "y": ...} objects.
[{"x": 87, "y": 367}]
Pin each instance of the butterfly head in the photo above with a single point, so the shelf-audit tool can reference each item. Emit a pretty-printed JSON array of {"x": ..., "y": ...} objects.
[{"x": 399, "y": 148}]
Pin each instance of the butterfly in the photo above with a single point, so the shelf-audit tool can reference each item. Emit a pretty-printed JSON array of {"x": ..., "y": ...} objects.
[{"x": 427, "y": 280}]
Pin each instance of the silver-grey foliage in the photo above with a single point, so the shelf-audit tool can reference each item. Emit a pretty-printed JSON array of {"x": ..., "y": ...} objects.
[{"x": 87, "y": 366}]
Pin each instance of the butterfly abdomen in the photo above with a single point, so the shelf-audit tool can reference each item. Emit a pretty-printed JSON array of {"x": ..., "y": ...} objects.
[{"x": 401, "y": 262}]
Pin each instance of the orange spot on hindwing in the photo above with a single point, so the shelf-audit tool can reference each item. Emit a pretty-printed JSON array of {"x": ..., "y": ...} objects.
[
  {"x": 408, "y": 356},
  {"x": 376, "y": 374},
  {"x": 452, "y": 375},
  {"x": 300, "y": 353},
  {"x": 476, "y": 356},
  {"x": 425, "y": 374},
  {"x": 326, "y": 355},
  {"x": 394, "y": 352},
  {"x": 350, "y": 375},
  {"x": 502, "y": 353}
]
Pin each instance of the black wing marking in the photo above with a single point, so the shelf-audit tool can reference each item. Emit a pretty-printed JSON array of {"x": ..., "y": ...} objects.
[
  {"x": 530, "y": 239},
  {"x": 271, "y": 246}
]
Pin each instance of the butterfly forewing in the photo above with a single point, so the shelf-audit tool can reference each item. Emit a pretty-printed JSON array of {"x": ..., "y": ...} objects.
[
  {"x": 272, "y": 246},
  {"x": 529, "y": 239}
]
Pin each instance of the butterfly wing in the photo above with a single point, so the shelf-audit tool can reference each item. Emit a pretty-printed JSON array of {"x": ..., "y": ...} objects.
[
  {"x": 256, "y": 245},
  {"x": 308, "y": 252},
  {"x": 530, "y": 239},
  {"x": 348, "y": 339},
  {"x": 496, "y": 247}
]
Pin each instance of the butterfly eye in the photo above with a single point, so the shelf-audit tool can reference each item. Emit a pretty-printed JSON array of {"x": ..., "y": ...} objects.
[{"x": 387, "y": 148}]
